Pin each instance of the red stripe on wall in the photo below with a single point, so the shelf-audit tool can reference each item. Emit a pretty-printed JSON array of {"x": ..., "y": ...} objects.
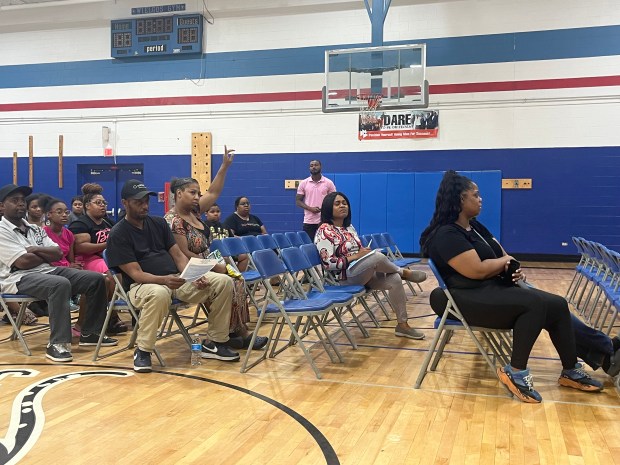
[{"x": 438, "y": 89}]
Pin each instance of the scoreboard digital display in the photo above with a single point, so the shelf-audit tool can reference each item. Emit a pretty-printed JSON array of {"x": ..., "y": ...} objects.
[{"x": 158, "y": 35}]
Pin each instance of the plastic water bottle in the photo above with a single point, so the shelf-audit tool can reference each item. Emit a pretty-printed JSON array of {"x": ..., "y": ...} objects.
[{"x": 196, "y": 350}]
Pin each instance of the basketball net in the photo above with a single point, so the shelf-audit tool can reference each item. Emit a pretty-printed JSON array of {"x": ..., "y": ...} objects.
[{"x": 369, "y": 102}]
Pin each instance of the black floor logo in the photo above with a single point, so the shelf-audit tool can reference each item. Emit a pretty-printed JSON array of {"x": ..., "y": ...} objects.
[{"x": 27, "y": 416}]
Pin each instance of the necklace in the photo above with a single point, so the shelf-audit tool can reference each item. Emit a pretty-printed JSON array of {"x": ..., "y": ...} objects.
[{"x": 244, "y": 219}]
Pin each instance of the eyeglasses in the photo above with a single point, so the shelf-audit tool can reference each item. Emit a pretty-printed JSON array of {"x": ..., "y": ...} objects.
[{"x": 100, "y": 203}]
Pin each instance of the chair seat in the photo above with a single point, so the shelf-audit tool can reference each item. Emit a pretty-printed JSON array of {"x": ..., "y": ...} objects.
[
  {"x": 251, "y": 275},
  {"x": 20, "y": 297},
  {"x": 449, "y": 321},
  {"x": 335, "y": 297},
  {"x": 310, "y": 305},
  {"x": 350, "y": 288}
]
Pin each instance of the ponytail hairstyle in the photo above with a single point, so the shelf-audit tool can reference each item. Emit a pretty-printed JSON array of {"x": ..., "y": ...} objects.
[
  {"x": 47, "y": 203},
  {"x": 177, "y": 184},
  {"x": 447, "y": 205},
  {"x": 90, "y": 190}
]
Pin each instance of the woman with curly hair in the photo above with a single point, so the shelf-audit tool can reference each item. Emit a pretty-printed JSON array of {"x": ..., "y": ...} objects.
[{"x": 472, "y": 263}]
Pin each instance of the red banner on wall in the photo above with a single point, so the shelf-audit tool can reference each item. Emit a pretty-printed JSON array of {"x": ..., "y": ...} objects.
[{"x": 415, "y": 124}]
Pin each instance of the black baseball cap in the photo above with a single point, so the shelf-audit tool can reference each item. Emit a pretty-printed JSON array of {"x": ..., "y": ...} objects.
[
  {"x": 12, "y": 188},
  {"x": 134, "y": 189}
]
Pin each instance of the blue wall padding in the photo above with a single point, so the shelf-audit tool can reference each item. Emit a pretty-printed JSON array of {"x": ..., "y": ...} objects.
[
  {"x": 350, "y": 185},
  {"x": 426, "y": 185},
  {"x": 490, "y": 186},
  {"x": 373, "y": 200},
  {"x": 400, "y": 208}
]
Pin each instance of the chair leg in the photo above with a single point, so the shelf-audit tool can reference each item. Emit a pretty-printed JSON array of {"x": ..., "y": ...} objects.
[
  {"x": 429, "y": 354},
  {"x": 16, "y": 324}
]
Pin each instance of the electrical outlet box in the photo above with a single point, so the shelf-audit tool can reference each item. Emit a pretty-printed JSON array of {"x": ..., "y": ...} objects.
[
  {"x": 292, "y": 183},
  {"x": 516, "y": 183}
]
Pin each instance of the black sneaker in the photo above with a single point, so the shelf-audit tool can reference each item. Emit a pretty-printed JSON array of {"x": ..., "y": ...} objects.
[
  {"x": 142, "y": 361},
  {"x": 218, "y": 351},
  {"x": 59, "y": 352},
  {"x": 259, "y": 342},
  {"x": 93, "y": 339}
]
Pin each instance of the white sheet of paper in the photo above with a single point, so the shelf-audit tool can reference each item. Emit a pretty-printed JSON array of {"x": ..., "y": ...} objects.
[
  {"x": 355, "y": 262},
  {"x": 197, "y": 267}
]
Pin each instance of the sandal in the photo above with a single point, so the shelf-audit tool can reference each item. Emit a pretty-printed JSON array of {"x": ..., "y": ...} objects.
[{"x": 29, "y": 319}]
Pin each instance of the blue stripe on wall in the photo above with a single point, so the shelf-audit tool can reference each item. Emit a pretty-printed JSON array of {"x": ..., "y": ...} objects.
[
  {"x": 491, "y": 48},
  {"x": 575, "y": 190}
]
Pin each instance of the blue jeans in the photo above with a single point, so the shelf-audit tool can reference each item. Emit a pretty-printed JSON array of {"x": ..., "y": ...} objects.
[{"x": 592, "y": 345}]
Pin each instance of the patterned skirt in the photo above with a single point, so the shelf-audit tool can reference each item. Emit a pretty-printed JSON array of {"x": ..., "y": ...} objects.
[{"x": 240, "y": 313}]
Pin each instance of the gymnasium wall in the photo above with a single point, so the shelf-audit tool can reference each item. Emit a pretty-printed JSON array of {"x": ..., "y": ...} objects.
[{"x": 528, "y": 88}]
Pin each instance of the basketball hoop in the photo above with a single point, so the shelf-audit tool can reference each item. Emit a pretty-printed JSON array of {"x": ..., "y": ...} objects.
[{"x": 369, "y": 102}]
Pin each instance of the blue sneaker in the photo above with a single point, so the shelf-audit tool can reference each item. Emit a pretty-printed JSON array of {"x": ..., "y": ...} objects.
[
  {"x": 577, "y": 378},
  {"x": 520, "y": 383}
]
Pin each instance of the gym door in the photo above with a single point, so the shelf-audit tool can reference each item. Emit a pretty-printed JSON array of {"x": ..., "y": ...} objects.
[{"x": 111, "y": 178}]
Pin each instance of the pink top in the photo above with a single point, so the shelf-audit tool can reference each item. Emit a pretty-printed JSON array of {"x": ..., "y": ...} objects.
[
  {"x": 314, "y": 192},
  {"x": 64, "y": 241}
]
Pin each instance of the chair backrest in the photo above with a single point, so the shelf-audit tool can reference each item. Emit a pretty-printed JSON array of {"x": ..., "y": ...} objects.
[
  {"x": 251, "y": 243},
  {"x": 295, "y": 260},
  {"x": 365, "y": 239},
  {"x": 440, "y": 281},
  {"x": 268, "y": 264},
  {"x": 312, "y": 254},
  {"x": 217, "y": 244},
  {"x": 235, "y": 245},
  {"x": 267, "y": 242},
  {"x": 112, "y": 270},
  {"x": 389, "y": 239},
  {"x": 379, "y": 241},
  {"x": 294, "y": 239},
  {"x": 305, "y": 238},
  {"x": 281, "y": 240}
]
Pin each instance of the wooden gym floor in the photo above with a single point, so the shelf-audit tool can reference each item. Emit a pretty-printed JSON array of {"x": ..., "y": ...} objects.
[{"x": 364, "y": 411}]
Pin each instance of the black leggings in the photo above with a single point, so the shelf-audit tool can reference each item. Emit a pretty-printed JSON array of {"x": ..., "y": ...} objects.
[{"x": 526, "y": 311}]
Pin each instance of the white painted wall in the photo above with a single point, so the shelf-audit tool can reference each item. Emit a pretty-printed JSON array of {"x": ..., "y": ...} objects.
[{"x": 542, "y": 118}]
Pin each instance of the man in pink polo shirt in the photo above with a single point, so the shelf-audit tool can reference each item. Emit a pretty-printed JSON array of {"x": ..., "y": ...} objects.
[{"x": 310, "y": 194}]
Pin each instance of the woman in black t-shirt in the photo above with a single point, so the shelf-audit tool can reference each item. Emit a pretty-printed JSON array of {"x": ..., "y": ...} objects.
[
  {"x": 471, "y": 265},
  {"x": 91, "y": 232},
  {"x": 242, "y": 222}
]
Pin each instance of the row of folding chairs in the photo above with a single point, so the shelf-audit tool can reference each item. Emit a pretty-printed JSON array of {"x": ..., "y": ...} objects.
[
  {"x": 302, "y": 311},
  {"x": 595, "y": 288}
]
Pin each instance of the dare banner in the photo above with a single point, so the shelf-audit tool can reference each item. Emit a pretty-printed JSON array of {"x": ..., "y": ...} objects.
[{"x": 415, "y": 124}]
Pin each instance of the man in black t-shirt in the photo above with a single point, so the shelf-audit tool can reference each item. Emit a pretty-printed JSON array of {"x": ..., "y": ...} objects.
[{"x": 146, "y": 252}]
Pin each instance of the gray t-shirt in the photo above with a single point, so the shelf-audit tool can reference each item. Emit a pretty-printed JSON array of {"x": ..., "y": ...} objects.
[{"x": 13, "y": 245}]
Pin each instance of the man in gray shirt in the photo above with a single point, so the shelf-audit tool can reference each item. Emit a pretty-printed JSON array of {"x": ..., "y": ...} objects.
[{"x": 26, "y": 254}]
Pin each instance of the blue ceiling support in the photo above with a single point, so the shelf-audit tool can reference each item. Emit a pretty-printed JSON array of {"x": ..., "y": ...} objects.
[{"x": 377, "y": 15}]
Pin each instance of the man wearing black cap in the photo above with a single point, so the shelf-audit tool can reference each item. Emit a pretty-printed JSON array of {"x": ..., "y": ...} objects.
[
  {"x": 25, "y": 256},
  {"x": 145, "y": 250}
]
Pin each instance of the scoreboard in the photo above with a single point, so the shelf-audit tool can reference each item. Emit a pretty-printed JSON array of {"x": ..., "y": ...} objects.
[{"x": 157, "y": 35}]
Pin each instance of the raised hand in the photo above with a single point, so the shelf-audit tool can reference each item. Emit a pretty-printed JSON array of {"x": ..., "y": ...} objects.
[{"x": 229, "y": 155}]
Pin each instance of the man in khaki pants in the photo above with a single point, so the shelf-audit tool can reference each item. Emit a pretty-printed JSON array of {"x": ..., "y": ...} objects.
[{"x": 144, "y": 249}]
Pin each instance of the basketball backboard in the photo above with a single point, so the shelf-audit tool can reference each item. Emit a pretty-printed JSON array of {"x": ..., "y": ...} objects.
[{"x": 396, "y": 74}]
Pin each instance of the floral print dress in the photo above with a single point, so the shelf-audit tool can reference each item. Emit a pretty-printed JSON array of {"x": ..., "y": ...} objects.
[{"x": 198, "y": 242}]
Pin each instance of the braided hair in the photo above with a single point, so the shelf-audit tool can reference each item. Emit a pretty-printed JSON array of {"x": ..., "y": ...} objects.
[{"x": 447, "y": 205}]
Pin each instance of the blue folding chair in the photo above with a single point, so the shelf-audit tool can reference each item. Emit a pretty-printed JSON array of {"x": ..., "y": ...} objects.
[
  {"x": 269, "y": 266},
  {"x": 251, "y": 277},
  {"x": 379, "y": 241},
  {"x": 304, "y": 237},
  {"x": 312, "y": 254},
  {"x": 268, "y": 242},
  {"x": 297, "y": 263},
  {"x": 281, "y": 240},
  {"x": 294, "y": 239},
  {"x": 499, "y": 341},
  {"x": 23, "y": 300}
]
